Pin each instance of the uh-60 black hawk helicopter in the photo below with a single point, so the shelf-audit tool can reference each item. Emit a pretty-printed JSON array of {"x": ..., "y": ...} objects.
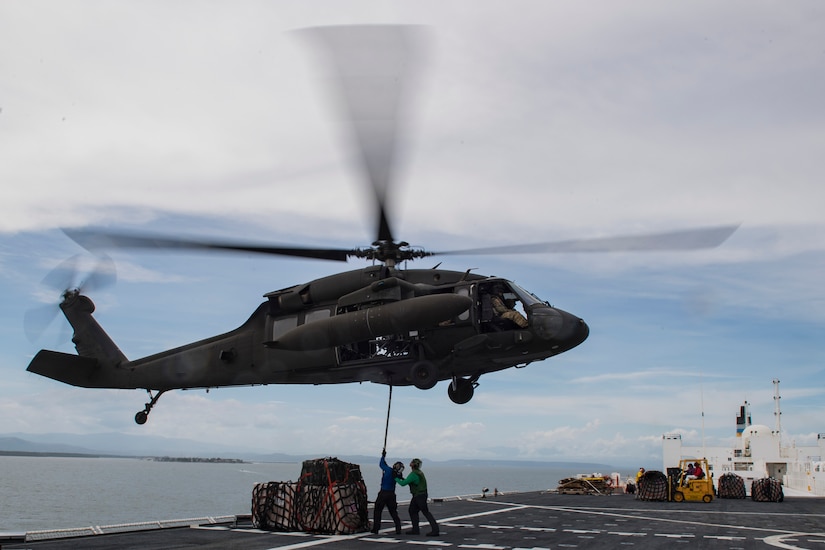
[{"x": 381, "y": 323}]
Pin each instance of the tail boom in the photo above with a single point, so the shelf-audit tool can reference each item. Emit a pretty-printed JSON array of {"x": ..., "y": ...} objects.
[
  {"x": 69, "y": 369},
  {"x": 99, "y": 362}
]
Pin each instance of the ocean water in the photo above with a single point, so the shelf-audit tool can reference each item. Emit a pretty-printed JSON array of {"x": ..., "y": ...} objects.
[{"x": 55, "y": 493}]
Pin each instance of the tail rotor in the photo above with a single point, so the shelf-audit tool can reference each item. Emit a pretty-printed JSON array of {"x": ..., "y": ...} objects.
[{"x": 65, "y": 279}]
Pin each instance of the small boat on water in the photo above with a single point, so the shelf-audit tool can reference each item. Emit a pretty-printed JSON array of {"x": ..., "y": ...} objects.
[{"x": 760, "y": 452}]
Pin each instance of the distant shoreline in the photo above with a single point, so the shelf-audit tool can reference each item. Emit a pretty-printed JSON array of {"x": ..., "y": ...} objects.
[
  {"x": 15, "y": 446},
  {"x": 153, "y": 458},
  {"x": 196, "y": 459}
]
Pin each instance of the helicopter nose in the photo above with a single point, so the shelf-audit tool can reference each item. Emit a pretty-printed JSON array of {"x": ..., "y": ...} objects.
[
  {"x": 581, "y": 330},
  {"x": 566, "y": 329}
]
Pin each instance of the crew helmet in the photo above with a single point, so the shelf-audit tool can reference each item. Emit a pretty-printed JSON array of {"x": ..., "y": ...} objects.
[
  {"x": 398, "y": 469},
  {"x": 415, "y": 463}
]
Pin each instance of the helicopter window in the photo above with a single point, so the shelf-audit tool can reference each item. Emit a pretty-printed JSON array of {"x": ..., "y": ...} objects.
[
  {"x": 463, "y": 291},
  {"x": 501, "y": 308},
  {"x": 316, "y": 315},
  {"x": 283, "y": 325},
  {"x": 527, "y": 298}
]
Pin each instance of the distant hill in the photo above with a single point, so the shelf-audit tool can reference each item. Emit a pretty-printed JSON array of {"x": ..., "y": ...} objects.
[
  {"x": 118, "y": 444},
  {"x": 16, "y": 444}
]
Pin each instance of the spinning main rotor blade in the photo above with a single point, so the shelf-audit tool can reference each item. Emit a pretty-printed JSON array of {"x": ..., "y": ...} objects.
[
  {"x": 372, "y": 68},
  {"x": 96, "y": 240},
  {"x": 688, "y": 239}
]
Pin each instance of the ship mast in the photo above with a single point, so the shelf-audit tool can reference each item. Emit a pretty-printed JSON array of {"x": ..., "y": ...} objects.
[
  {"x": 776, "y": 410},
  {"x": 702, "y": 399}
]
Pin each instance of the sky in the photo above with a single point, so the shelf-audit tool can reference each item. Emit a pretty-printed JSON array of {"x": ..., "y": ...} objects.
[{"x": 528, "y": 121}]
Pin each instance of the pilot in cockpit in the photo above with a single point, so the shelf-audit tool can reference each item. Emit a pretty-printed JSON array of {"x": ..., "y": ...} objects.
[{"x": 504, "y": 307}]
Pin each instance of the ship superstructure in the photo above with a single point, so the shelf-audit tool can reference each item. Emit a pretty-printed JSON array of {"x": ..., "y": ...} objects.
[{"x": 759, "y": 452}]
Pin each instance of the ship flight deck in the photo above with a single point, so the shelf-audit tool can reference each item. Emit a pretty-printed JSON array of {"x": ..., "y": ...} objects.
[{"x": 530, "y": 520}]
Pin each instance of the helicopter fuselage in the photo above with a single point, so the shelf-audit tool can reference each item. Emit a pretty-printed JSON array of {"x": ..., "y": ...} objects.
[{"x": 378, "y": 324}]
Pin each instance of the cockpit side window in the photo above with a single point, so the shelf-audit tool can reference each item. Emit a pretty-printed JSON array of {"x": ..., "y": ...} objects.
[{"x": 500, "y": 307}]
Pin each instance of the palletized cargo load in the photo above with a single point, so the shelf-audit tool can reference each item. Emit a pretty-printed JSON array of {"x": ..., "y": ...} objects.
[
  {"x": 767, "y": 489},
  {"x": 339, "y": 509},
  {"x": 273, "y": 506},
  {"x": 584, "y": 486},
  {"x": 653, "y": 485},
  {"x": 325, "y": 471},
  {"x": 731, "y": 486},
  {"x": 329, "y": 498}
]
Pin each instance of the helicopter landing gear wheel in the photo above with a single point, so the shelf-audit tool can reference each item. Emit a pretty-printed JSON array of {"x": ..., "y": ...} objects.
[
  {"x": 424, "y": 375},
  {"x": 142, "y": 416},
  {"x": 461, "y": 390}
]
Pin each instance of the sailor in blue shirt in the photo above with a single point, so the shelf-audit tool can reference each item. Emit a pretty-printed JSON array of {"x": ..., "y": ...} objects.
[{"x": 386, "y": 496}]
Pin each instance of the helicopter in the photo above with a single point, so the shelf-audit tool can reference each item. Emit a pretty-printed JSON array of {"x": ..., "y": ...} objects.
[{"x": 381, "y": 323}]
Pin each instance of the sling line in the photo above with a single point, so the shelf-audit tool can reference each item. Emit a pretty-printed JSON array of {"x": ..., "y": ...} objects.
[{"x": 387, "y": 427}]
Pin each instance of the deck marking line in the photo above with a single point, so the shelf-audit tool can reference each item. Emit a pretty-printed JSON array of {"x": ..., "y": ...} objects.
[
  {"x": 511, "y": 506},
  {"x": 320, "y": 541},
  {"x": 778, "y": 540},
  {"x": 683, "y": 512},
  {"x": 598, "y": 512}
]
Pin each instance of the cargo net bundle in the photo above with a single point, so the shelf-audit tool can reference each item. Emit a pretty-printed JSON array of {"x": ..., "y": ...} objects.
[
  {"x": 584, "y": 486},
  {"x": 330, "y": 498},
  {"x": 652, "y": 486},
  {"x": 767, "y": 489},
  {"x": 731, "y": 486},
  {"x": 273, "y": 506}
]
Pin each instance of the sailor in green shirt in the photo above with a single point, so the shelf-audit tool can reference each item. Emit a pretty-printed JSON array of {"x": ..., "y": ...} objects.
[{"x": 418, "y": 488}]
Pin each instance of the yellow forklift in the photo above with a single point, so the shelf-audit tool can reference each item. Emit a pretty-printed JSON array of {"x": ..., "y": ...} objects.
[{"x": 684, "y": 486}]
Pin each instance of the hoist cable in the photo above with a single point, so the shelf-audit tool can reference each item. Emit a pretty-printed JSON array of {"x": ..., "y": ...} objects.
[{"x": 387, "y": 427}]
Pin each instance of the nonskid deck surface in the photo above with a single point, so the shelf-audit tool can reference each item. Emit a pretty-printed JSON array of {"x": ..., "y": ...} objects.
[{"x": 535, "y": 520}]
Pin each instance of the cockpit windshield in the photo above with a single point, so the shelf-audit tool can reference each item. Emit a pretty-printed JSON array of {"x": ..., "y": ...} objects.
[{"x": 527, "y": 298}]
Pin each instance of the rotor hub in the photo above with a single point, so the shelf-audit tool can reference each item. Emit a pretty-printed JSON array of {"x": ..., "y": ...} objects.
[{"x": 390, "y": 252}]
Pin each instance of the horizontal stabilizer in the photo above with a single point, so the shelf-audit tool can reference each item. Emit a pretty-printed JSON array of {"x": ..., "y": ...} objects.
[{"x": 65, "y": 367}]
